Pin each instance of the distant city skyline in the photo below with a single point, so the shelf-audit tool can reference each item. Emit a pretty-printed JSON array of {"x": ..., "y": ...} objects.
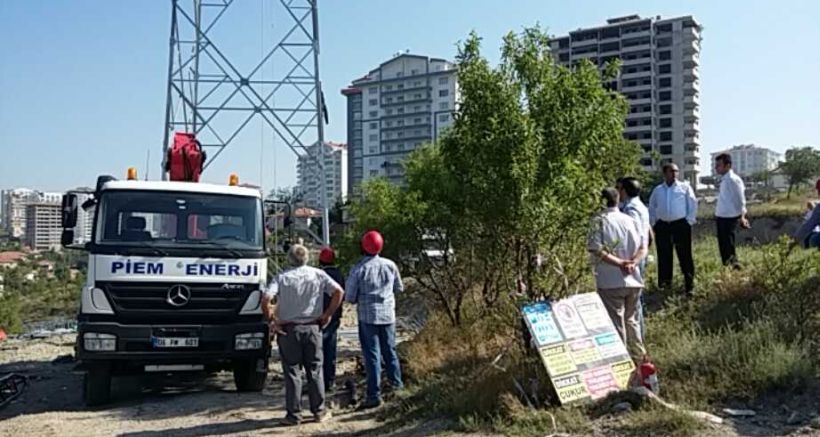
[{"x": 85, "y": 94}]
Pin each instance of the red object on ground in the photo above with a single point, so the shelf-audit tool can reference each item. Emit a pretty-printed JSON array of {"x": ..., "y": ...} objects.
[
  {"x": 649, "y": 375},
  {"x": 326, "y": 256},
  {"x": 3, "y": 335},
  {"x": 185, "y": 158},
  {"x": 372, "y": 243}
]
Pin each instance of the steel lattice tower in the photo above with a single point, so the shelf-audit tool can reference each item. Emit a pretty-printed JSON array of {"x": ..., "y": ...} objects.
[{"x": 207, "y": 91}]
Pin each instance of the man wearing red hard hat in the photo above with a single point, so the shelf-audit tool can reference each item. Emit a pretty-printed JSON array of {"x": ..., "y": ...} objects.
[
  {"x": 372, "y": 285},
  {"x": 327, "y": 262}
]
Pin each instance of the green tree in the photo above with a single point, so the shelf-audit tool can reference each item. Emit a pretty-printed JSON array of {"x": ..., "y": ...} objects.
[
  {"x": 518, "y": 175},
  {"x": 800, "y": 166}
]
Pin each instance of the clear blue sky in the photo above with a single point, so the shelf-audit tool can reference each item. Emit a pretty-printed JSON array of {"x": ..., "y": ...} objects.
[{"x": 82, "y": 82}]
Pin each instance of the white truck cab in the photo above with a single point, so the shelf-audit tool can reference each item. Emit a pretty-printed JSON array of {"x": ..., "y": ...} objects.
[{"x": 176, "y": 272}]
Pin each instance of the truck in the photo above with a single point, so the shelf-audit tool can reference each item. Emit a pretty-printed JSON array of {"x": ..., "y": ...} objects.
[{"x": 176, "y": 273}]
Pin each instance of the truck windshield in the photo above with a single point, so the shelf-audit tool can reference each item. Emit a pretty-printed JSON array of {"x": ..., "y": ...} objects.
[{"x": 168, "y": 220}]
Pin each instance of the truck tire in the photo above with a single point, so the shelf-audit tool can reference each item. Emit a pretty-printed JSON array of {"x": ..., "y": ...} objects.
[
  {"x": 247, "y": 378},
  {"x": 97, "y": 385}
]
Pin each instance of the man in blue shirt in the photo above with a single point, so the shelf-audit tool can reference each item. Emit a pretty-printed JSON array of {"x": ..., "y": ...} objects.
[
  {"x": 629, "y": 191},
  {"x": 672, "y": 212},
  {"x": 372, "y": 285}
]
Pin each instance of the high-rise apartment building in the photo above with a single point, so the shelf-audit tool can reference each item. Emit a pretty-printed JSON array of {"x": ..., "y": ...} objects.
[
  {"x": 403, "y": 103},
  {"x": 748, "y": 159},
  {"x": 43, "y": 228},
  {"x": 660, "y": 78},
  {"x": 309, "y": 177},
  {"x": 15, "y": 203}
]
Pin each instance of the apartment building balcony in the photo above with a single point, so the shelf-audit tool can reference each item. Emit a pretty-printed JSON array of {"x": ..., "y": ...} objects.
[
  {"x": 634, "y": 102},
  {"x": 636, "y": 48},
  {"x": 636, "y": 61},
  {"x": 691, "y": 148},
  {"x": 634, "y": 129},
  {"x": 634, "y": 88},
  {"x": 637, "y": 75},
  {"x": 638, "y": 34},
  {"x": 691, "y": 86},
  {"x": 691, "y": 127},
  {"x": 690, "y": 33},
  {"x": 690, "y": 47},
  {"x": 583, "y": 43},
  {"x": 691, "y": 62},
  {"x": 585, "y": 55},
  {"x": 691, "y": 101},
  {"x": 405, "y": 90}
]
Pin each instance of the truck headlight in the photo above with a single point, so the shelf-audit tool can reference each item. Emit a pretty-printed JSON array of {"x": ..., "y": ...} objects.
[
  {"x": 249, "y": 341},
  {"x": 252, "y": 303},
  {"x": 99, "y": 342}
]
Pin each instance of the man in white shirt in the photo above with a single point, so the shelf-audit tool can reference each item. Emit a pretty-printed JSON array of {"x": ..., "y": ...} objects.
[
  {"x": 629, "y": 191},
  {"x": 617, "y": 246},
  {"x": 300, "y": 316},
  {"x": 673, "y": 208},
  {"x": 730, "y": 210}
]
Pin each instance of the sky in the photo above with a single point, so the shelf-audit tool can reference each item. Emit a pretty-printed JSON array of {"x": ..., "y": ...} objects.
[{"x": 83, "y": 82}]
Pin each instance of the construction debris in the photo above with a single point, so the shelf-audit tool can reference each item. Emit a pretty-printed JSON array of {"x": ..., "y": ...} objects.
[{"x": 11, "y": 386}]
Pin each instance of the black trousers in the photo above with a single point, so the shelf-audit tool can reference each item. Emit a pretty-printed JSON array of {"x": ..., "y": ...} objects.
[
  {"x": 726, "y": 228},
  {"x": 677, "y": 235}
]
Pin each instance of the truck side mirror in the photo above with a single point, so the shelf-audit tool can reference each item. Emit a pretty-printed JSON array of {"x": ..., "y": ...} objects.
[
  {"x": 69, "y": 211},
  {"x": 67, "y": 237}
]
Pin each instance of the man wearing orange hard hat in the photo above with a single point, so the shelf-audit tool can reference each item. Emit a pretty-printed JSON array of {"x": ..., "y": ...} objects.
[
  {"x": 372, "y": 285},
  {"x": 327, "y": 262}
]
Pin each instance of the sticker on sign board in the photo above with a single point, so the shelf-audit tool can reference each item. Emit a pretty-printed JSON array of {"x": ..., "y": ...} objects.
[
  {"x": 568, "y": 320},
  {"x": 622, "y": 371},
  {"x": 542, "y": 325},
  {"x": 558, "y": 360},
  {"x": 570, "y": 388},
  {"x": 610, "y": 345},
  {"x": 592, "y": 312},
  {"x": 584, "y": 352},
  {"x": 599, "y": 382}
]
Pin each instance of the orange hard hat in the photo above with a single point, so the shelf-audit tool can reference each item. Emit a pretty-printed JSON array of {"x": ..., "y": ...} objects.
[
  {"x": 326, "y": 256},
  {"x": 372, "y": 242}
]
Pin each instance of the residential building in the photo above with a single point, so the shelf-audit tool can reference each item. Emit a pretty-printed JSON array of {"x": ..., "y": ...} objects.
[
  {"x": 308, "y": 174},
  {"x": 85, "y": 220},
  {"x": 748, "y": 159},
  {"x": 15, "y": 203},
  {"x": 43, "y": 227},
  {"x": 403, "y": 103},
  {"x": 660, "y": 78}
]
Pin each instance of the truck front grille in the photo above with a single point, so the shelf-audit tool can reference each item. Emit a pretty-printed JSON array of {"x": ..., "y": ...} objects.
[{"x": 148, "y": 302}]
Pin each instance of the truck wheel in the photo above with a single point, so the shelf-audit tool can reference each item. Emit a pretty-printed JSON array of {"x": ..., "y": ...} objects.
[
  {"x": 97, "y": 385},
  {"x": 247, "y": 378}
]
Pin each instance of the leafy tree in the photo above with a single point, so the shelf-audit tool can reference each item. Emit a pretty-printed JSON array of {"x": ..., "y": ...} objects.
[
  {"x": 800, "y": 166},
  {"x": 518, "y": 175}
]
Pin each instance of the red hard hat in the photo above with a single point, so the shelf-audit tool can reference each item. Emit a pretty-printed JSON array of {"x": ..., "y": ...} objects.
[
  {"x": 372, "y": 242},
  {"x": 326, "y": 256}
]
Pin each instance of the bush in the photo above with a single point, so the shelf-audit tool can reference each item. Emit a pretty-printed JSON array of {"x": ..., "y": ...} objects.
[{"x": 10, "y": 320}]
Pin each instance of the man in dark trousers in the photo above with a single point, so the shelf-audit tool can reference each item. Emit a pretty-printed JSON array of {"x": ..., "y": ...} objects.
[
  {"x": 730, "y": 211},
  {"x": 672, "y": 212},
  {"x": 327, "y": 260}
]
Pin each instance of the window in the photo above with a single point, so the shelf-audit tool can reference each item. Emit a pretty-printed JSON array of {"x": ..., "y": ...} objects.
[
  {"x": 400, "y": 134},
  {"x": 417, "y": 96},
  {"x": 646, "y": 162},
  {"x": 414, "y": 72},
  {"x": 563, "y": 57},
  {"x": 443, "y": 118},
  {"x": 664, "y": 69},
  {"x": 373, "y": 137},
  {"x": 374, "y": 125},
  {"x": 665, "y": 109},
  {"x": 388, "y": 111},
  {"x": 388, "y": 100},
  {"x": 443, "y": 80},
  {"x": 664, "y": 42},
  {"x": 664, "y": 28},
  {"x": 374, "y": 172},
  {"x": 666, "y": 136},
  {"x": 665, "y": 96},
  {"x": 665, "y": 122},
  {"x": 665, "y": 82},
  {"x": 373, "y": 114},
  {"x": 400, "y": 86},
  {"x": 357, "y": 115},
  {"x": 444, "y": 105},
  {"x": 666, "y": 150},
  {"x": 417, "y": 120},
  {"x": 664, "y": 55},
  {"x": 417, "y": 108},
  {"x": 443, "y": 93},
  {"x": 400, "y": 111},
  {"x": 646, "y": 136},
  {"x": 373, "y": 102},
  {"x": 372, "y": 90},
  {"x": 400, "y": 123}
]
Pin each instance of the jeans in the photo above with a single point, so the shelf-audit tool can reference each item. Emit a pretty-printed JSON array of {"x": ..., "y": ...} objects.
[
  {"x": 329, "y": 338},
  {"x": 379, "y": 342}
]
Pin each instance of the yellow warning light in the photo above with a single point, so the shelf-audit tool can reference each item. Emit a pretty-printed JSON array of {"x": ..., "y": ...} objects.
[
  {"x": 132, "y": 173},
  {"x": 233, "y": 180}
]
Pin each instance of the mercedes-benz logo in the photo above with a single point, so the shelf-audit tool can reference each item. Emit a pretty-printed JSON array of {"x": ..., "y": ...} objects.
[{"x": 178, "y": 295}]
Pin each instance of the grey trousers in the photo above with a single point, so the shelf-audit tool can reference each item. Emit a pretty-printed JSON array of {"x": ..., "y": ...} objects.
[
  {"x": 622, "y": 306},
  {"x": 302, "y": 348}
]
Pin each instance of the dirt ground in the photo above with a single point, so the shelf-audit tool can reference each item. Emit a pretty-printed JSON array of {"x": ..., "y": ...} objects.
[{"x": 199, "y": 406}]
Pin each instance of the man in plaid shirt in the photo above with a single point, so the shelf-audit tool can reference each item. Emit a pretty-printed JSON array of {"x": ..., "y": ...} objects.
[{"x": 372, "y": 285}]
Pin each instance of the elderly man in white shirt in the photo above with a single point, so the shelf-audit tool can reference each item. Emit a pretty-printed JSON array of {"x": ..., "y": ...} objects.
[
  {"x": 617, "y": 247},
  {"x": 730, "y": 210},
  {"x": 300, "y": 316},
  {"x": 673, "y": 208}
]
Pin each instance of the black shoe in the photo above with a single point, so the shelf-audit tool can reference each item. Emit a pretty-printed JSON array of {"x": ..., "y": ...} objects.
[{"x": 370, "y": 404}]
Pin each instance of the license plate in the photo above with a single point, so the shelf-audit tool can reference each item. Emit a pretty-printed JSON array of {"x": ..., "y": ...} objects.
[{"x": 176, "y": 341}]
